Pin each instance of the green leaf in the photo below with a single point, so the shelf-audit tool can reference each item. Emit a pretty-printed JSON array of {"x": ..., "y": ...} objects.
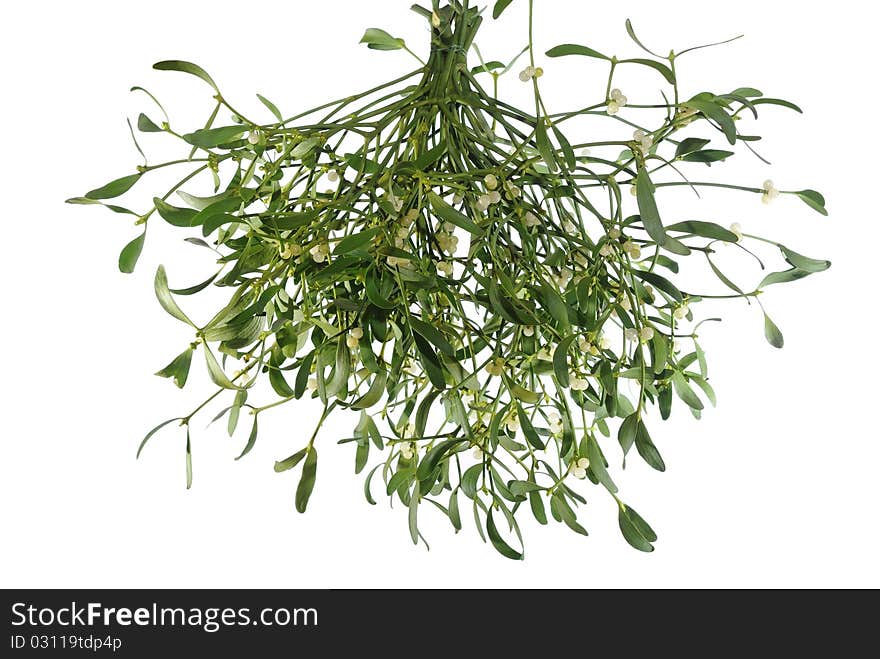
[
  {"x": 153, "y": 432},
  {"x": 664, "y": 70},
  {"x": 454, "y": 514},
  {"x": 748, "y": 92},
  {"x": 305, "y": 147},
  {"x": 772, "y": 332},
  {"x": 377, "y": 39},
  {"x": 646, "y": 448},
  {"x": 433, "y": 458},
  {"x": 160, "y": 285},
  {"x": 498, "y": 542},
  {"x": 307, "y": 481},
  {"x": 661, "y": 283},
  {"x": 636, "y": 530},
  {"x": 537, "y": 506},
  {"x": 717, "y": 113},
  {"x": 597, "y": 464},
  {"x": 545, "y": 148},
  {"x": 560, "y": 361},
  {"x": 632, "y": 35},
  {"x": 685, "y": 392},
  {"x": 83, "y": 201},
  {"x": 777, "y": 101},
  {"x": 356, "y": 241},
  {"x": 186, "y": 67},
  {"x": 724, "y": 278},
  {"x": 447, "y": 213},
  {"x": 178, "y": 369},
  {"x": 279, "y": 383},
  {"x": 215, "y": 371},
  {"x": 374, "y": 393},
  {"x": 690, "y": 145},
  {"x": 500, "y": 6},
  {"x": 626, "y": 436},
  {"x": 146, "y": 125},
  {"x": 433, "y": 335},
  {"x": 208, "y": 138},
  {"x": 114, "y": 189},
  {"x": 360, "y": 164},
  {"x": 567, "y": 49},
  {"x": 567, "y": 149},
  {"x": 783, "y": 277},
  {"x": 814, "y": 200},
  {"x": 189, "y": 464},
  {"x": 178, "y": 217},
  {"x": 804, "y": 263},
  {"x": 704, "y": 230},
  {"x": 528, "y": 429},
  {"x": 291, "y": 462},
  {"x": 414, "y": 514},
  {"x": 252, "y": 439},
  {"x": 235, "y": 412},
  {"x": 130, "y": 254},
  {"x": 430, "y": 362},
  {"x": 648, "y": 207},
  {"x": 708, "y": 156},
  {"x": 271, "y": 106}
]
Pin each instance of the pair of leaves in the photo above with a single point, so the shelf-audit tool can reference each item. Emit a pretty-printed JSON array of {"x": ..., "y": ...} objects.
[
  {"x": 307, "y": 480},
  {"x": 636, "y": 531},
  {"x": 633, "y": 431}
]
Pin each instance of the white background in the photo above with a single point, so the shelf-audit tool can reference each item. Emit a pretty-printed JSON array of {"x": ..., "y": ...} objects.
[{"x": 777, "y": 487}]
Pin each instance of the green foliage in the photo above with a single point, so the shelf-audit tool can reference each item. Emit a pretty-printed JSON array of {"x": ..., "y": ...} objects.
[{"x": 459, "y": 275}]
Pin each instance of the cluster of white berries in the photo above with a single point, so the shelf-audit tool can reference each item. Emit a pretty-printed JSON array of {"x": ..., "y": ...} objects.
[
  {"x": 606, "y": 250},
  {"x": 770, "y": 192},
  {"x": 531, "y": 220},
  {"x": 545, "y": 355},
  {"x": 447, "y": 240},
  {"x": 289, "y": 251},
  {"x": 530, "y": 72},
  {"x": 495, "y": 367},
  {"x": 320, "y": 252},
  {"x": 513, "y": 190},
  {"x": 644, "y": 335},
  {"x": 625, "y": 304},
  {"x": 586, "y": 346},
  {"x": 737, "y": 230},
  {"x": 681, "y": 312},
  {"x": 333, "y": 176},
  {"x": 444, "y": 268},
  {"x": 313, "y": 384},
  {"x": 577, "y": 383},
  {"x": 395, "y": 261},
  {"x": 528, "y": 330},
  {"x": 354, "y": 337},
  {"x": 255, "y": 137},
  {"x": 478, "y": 453},
  {"x": 645, "y": 141},
  {"x": 489, "y": 199},
  {"x": 563, "y": 278},
  {"x": 395, "y": 201},
  {"x": 512, "y": 423},
  {"x": 555, "y": 423},
  {"x": 633, "y": 250},
  {"x": 617, "y": 101},
  {"x": 408, "y": 450},
  {"x": 579, "y": 468}
]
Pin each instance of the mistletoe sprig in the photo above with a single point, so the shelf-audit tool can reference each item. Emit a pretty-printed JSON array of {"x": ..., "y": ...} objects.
[{"x": 478, "y": 287}]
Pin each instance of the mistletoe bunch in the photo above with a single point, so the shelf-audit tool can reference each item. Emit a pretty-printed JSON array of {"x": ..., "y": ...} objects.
[{"x": 478, "y": 287}]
